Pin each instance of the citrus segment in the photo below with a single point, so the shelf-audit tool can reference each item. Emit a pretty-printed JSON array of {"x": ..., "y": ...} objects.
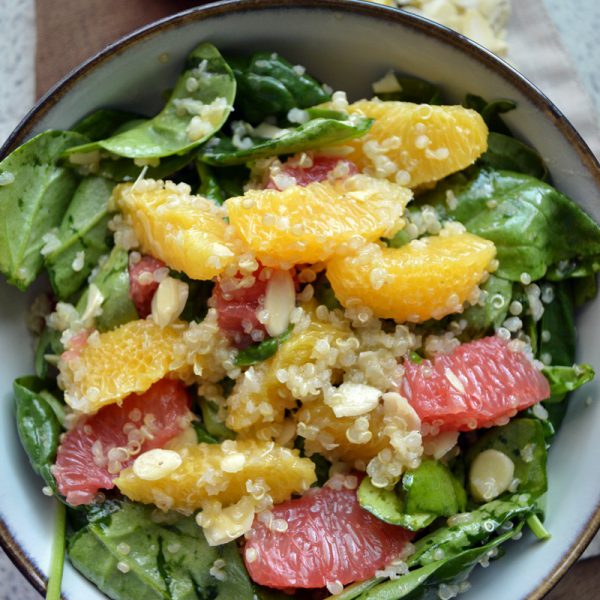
[
  {"x": 222, "y": 472},
  {"x": 143, "y": 282},
  {"x": 114, "y": 364},
  {"x": 98, "y": 447},
  {"x": 329, "y": 538},
  {"x": 427, "y": 278},
  {"x": 187, "y": 232},
  {"x": 415, "y": 144},
  {"x": 481, "y": 384},
  {"x": 267, "y": 390},
  {"x": 308, "y": 224},
  {"x": 305, "y": 168}
]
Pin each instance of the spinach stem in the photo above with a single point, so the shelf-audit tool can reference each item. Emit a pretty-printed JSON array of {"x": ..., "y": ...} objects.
[
  {"x": 57, "y": 558},
  {"x": 540, "y": 532}
]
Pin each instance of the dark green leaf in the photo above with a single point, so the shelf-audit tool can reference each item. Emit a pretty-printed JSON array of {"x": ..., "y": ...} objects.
[
  {"x": 389, "y": 506},
  {"x": 34, "y": 203},
  {"x": 413, "y": 89},
  {"x": 567, "y": 379},
  {"x": 124, "y": 169},
  {"x": 262, "y": 351},
  {"x": 585, "y": 289},
  {"x": 455, "y": 568},
  {"x": 523, "y": 441},
  {"x": 532, "y": 225},
  {"x": 202, "y": 435},
  {"x": 324, "y": 292},
  {"x": 48, "y": 343},
  {"x": 169, "y": 561},
  {"x": 557, "y": 326},
  {"x": 491, "y": 111},
  {"x": 102, "y": 123},
  {"x": 470, "y": 529},
  {"x": 431, "y": 488},
  {"x": 508, "y": 153},
  {"x": 209, "y": 186},
  {"x": 212, "y": 423},
  {"x": 112, "y": 280},
  {"x": 38, "y": 427},
  {"x": 221, "y": 151},
  {"x": 167, "y": 133},
  {"x": 269, "y": 85},
  {"x": 83, "y": 231},
  {"x": 481, "y": 319},
  {"x": 199, "y": 292}
]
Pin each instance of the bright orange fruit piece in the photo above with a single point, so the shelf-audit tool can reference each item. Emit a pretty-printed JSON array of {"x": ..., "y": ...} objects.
[
  {"x": 187, "y": 232},
  {"x": 416, "y": 144},
  {"x": 221, "y": 472},
  {"x": 126, "y": 360},
  {"x": 308, "y": 224},
  {"x": 427, "y": 278}
]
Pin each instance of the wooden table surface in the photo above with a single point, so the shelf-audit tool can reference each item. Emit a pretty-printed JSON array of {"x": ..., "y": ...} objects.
[{"x": 69, "y": 31}]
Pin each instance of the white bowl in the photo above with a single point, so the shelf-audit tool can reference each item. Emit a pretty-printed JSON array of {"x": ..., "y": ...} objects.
[{"x": 348, "y": 45}]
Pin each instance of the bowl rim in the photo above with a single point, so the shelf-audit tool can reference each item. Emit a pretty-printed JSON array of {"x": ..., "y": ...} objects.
[{"x": 19, "y": 557}]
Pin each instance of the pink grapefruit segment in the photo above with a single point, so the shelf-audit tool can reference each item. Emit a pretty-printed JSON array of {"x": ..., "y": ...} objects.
[
  {"x": 98, "y": 447},
  {"x": 329, "y": 538},
  {"x": 143, "y": 283},
  {"x": 314, "y": 168},
  {"x": 480, "y": 384}
]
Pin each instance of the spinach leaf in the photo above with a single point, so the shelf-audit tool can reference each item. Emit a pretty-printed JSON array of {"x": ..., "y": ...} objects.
[
  {"x": 198, "y": 106},
  {"x": 431, "y": 488},
  {"x": 508, "y": 153},
  {"x": 34, "y": 203},
  {"x": 202, "y": 434},
  {"x": 269, "y": 85},
  {"x": 557, "y": 326},
  {"x": 567, "y": 379},
  {"x": 209, "y": 185},
  {"x": 83, "y": 232},
  {"x": 585, "y": 289},
  {"x": 102, "y": 122},
  {"x": 324, "y": 292},
  {"x": 480, "y": 319},
  {"x": 532, "y": 225},
  {"x": 199, "y": 292},
  {"x": 262, "y": 351},
  {"x": 491, "y": 111},
  {"x": 124, "y": 169},
  {"x": 470, "y": 528},
  {"x": 48, "y": 343},
  {"x": 113, "y": 282},
  {"x": 317, "y": 132},
  {"x": 170, "y": 561},
  {"x": 212, "y": 423},
  {"x": 453, "y": 569},
  {"x": 523, "y": 441},
  {"x": 411, "y": 89},
  {"x": 38, "y": 426},
  {"x": 388, "y": 505}
]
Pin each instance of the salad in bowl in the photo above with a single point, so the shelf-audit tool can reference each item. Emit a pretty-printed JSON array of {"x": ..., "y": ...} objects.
[{"x": 294, "y": 345}]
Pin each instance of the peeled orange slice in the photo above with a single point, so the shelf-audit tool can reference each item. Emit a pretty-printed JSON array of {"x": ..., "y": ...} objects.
[
  {"x": 219, "y": 472},
  {"x": 114, "y": 364},
  {"x": 187, "y": 232},
  {"x": 427, "y": 278},
  {"x": 308, "y": 224},
  {"x": 416, "y": 144}
]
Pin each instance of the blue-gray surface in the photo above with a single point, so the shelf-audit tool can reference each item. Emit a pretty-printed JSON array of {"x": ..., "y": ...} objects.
[{"x": 578, "y": 23}]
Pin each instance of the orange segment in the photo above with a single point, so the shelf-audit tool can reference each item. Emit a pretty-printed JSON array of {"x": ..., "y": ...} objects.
[
  {"x": 415, "y": 144},
  {"x": 308, "y": 224},
  {"x": 114, "y": 364},
  {"x": 223, "y": 472},
  {"x": 427, "y": 278},
  {"x": 185, "y": 231},
  {"x": 265, "y": 392}
]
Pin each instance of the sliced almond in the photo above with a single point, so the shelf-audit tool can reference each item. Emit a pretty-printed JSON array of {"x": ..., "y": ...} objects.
[{"x": 280, "y": 300}]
